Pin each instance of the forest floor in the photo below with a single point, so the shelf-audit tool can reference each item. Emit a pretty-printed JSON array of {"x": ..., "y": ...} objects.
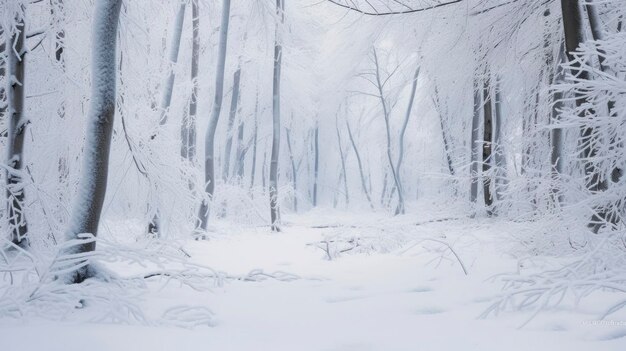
[{"x": 397, "y": 285}]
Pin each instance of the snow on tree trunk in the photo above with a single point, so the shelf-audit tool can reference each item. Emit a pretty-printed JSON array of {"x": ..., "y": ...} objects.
[
  {"x": 231, "y": 122},
  {"x": 16, "y": 132},
  {"x": 188, "y": 128},
  {"x": 574, "y": 36},
  {"x": 255, "y": 141},
  {"x": 383, "y": 101},
  {"x": 342, "y": 156},
  {"x": 209, "y": 143},
  {"x": 294, "y": 171},
  {"x": 499, "y": 155},
  {"x": 360, "y": 164},
  {"x": 487, "y": 144},
  {"x": 166, "y": 98},
  {"x": 316, "y": 162},
  {"x": 474, "y": 145},
  {"x": 89, "y": 198},
  {"x": 273, "y": 186},
  {"x": 407, "y": 116}
]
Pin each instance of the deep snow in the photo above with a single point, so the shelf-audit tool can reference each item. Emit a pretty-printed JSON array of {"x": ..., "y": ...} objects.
[{"x": 392, "y": 292}]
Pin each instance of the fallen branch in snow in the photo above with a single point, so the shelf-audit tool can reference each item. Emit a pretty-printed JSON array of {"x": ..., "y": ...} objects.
[
  {"x": 601, "y": 269},
  {"x": 446, "y": 245}
]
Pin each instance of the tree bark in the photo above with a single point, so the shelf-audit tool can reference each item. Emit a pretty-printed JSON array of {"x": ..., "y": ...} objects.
[
  {"x": 209, "y": 146},
  {"x": 16, "y": 133},
  {"x": 396, "y": 179},
  {"x": 231, "y": 122},
  {"x": 316, "y": 162},
  {"x": 574, "y": 36},
  {"x": 294, "y": 171},
  {"x": 273, "y": 188},
  {"x": 168, "y": 87},
  {"x": 92, "y": 185},
  {"x": 360, "y": 164},
  {"x": 487, "y": 144},
  {"x": 188, "y": 128},
  {"x": 474, "y": 144},
  {"x": 343, "y": 162},
  {"x": 255, "y": 141},
  {"x": 400, "y": 208}
]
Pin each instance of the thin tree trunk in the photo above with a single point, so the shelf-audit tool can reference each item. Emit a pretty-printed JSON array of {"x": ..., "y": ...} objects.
[
  {"x": 166, "y": 98},
  {"x": 446, "y": 141},
  {"x": 278, "y": 53},
  {"x": 396, "y": 179},
  {"x": 209, "y": 147},
  {"x": 294, "y": 171},
  {"x": 499, "y": 155},
  {"x": 487, "y": 144},
  {"x": 188, "y": 128},
  {"x": 360, "y": 164},
  {"x": 154, "y": 227},
  {"x": 231, "y": 122},
  {"x": 255, "y": 142},
  {"x": 574, "y": 36},
  {"x": 343, "y": 162},
  {"x": 316, "y": 162},
  {"x": 407, "y": 116},
  {"x": 475, "y": 145},
  {"x": 93, "y": 182},
  {"x": 241, "y": 152},
  {"x": 16, "y": 133}
]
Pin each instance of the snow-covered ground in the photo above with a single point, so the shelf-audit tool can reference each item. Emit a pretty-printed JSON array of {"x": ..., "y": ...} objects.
[{"x": 397, "y": 286}]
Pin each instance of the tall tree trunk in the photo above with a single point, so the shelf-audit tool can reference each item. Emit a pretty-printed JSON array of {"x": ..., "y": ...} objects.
[
  {"x": 360, "y": 164},
  {"x": 255, "y": 141},
  {"x": 231, "y": 122},
  {"x": 474, "y": 145},
  {"x": 316, "y": 162},
  {"x": 396, "y": 179},
  {"x": 16, "y": 132},
  {"x": 241, "y": 152},
  {"x": 92, "y": 185},
  {"x": 278, "y": 53},
  {"x": 574, "y": 36},
  {"x": 294, "y": 171},
  {"x": 400, "y": 208},
  {"x": 444, "y": 133},
  {"x": 166, "y": 98},
  {"x": 487, "y": 144},
  {"x": 343, "y": 162},
  {"x": 188, "y": 128},
  {"x": 154, "y": 227},
  {"x": 209, "y": 143},
  {"x": 499, "y": 156}
]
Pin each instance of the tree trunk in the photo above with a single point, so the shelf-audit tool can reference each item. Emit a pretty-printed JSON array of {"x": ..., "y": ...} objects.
[
  {"x": 92, "y": 185},
  {"x": 154, "y": 227},
  {"x": 209, "y": 143},
  {"x": 16, "y": 133},
  {"x": 166, "y": 98},
  {"x": 294, "y": 171},
  {"x": 255, "y": 141},
  {"x": 400, "y": 209},
  {"x": 574, "y": 36},
  {"x": 278, "y": 53},
  {"x": 241, "y": 152},
  {"x": 487, "y": 144},
  {"x": 446, "y": 141},
  {"x": 188, "y": 128},
  {"x": 231, "y": 122},
  {"x": 360, "y": 164},
  {"x": 475, "y": 144},
  {"x": 499, "y": 156},
  {"x": 396, "y": 179},
  {"x": 343, "y": 162},
  {"x": 316, "y": 162}
]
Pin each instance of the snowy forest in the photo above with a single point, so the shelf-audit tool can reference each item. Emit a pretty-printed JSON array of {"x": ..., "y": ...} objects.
[{"x": 312, "y": 175}]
